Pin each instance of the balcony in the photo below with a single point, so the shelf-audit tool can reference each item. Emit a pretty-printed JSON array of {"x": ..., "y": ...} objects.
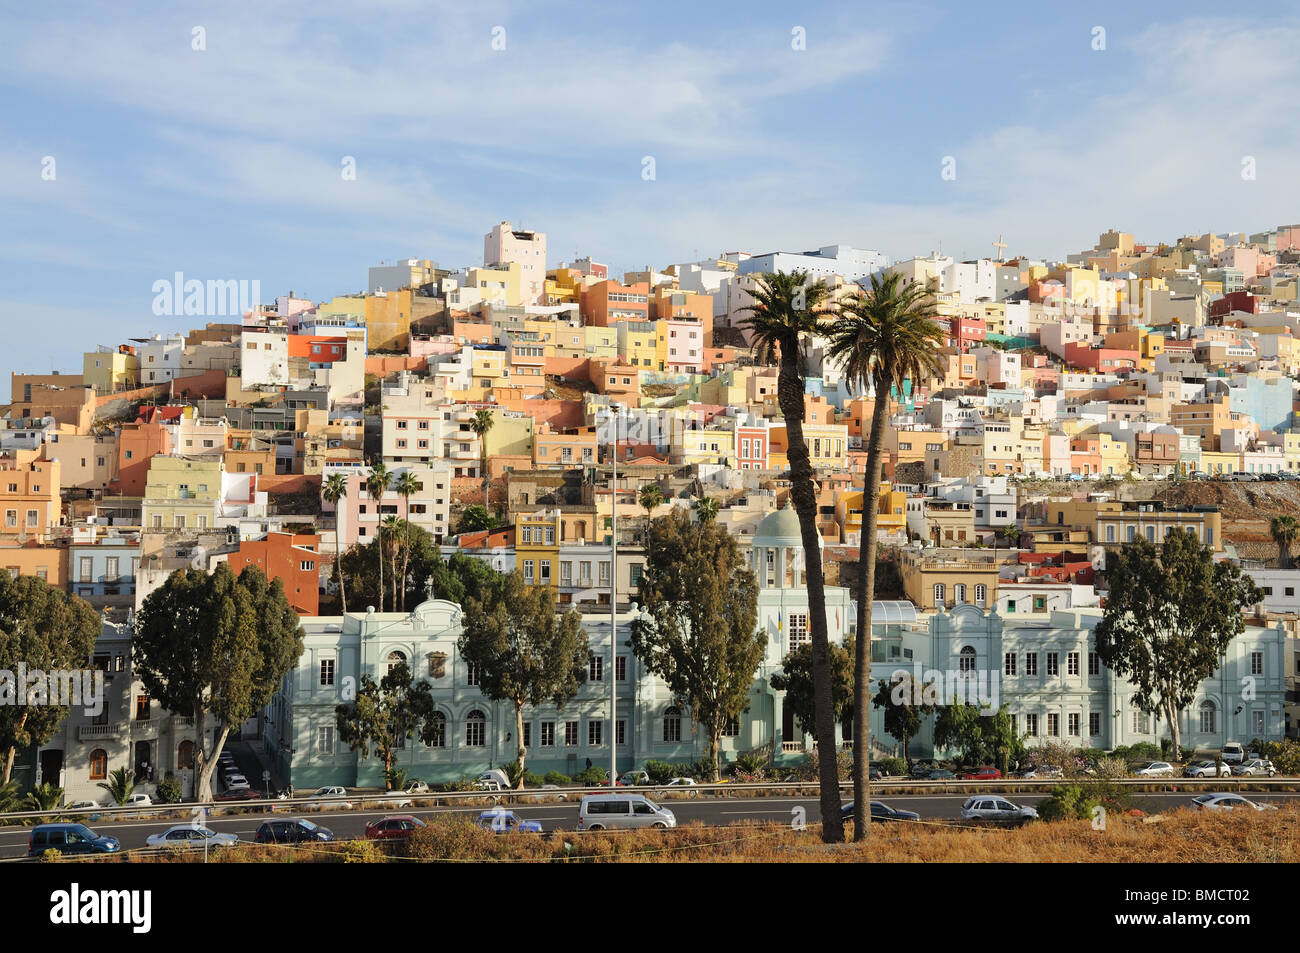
[
  {"x": 791, "y": 747},
  {"x": 464, "y": 454},
  {"x": 98, "y": 732},
  {"x": 144, "y": 729}
]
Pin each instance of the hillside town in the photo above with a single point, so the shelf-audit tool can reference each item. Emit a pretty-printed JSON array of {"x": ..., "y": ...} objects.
[{"x": 536, "y": 415}]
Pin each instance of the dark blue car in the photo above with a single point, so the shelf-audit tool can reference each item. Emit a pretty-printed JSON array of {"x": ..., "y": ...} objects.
[{"x": 69, "y": 839}]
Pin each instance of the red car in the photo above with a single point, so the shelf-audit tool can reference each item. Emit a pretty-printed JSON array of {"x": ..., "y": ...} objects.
[
  {"x": 394, "y": 826},
  {"x": 986, "y": 773}
]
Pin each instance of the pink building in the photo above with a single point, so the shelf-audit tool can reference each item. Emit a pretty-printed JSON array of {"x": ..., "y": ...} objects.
[
  {"x": 1103, "y": 360},
  {"x": 505, "y": 244},
  {"x": 684, "y": 345},
  {"x": 753, "y": 442}
]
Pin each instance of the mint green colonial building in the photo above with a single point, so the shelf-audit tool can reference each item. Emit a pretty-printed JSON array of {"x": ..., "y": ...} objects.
[
  {"x": 1056, "y": 689},
  {"x": 476, "y": 734}
]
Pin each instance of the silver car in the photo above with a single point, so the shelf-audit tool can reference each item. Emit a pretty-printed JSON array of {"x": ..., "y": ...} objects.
[
  {"x": 185, "y": 835},
  {"x": 622, "y": 812},
  {"x": 1256, "y": 767},
  {"x": 1207, "y": 769},
  {"x": 990, "y": 807},
  {"x": 1229, "y": 802}
]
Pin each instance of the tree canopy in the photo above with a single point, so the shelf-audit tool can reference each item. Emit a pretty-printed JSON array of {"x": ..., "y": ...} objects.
[
  {"x": 384, "y": 715},
  {"x": 796, "y": 680}
]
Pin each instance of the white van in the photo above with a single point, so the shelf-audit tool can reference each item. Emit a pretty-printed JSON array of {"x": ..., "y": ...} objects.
[
  {"x": 1232, "y": 753},
  {"x": 622, "y": 812}
]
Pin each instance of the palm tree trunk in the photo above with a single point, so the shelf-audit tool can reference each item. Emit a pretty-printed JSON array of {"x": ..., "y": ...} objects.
[
  {"x": 866, "y": 595},
  {"x": 379, "y": 548},
  {"x": 338, "y": 567},
  {"x": 804, "y": 497}
]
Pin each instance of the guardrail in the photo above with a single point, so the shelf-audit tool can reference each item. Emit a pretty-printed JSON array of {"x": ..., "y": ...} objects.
[{"x": 399, "y": 800}]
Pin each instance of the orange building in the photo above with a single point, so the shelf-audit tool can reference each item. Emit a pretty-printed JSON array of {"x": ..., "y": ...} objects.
[
  {"x": 292, "y": 558},
  {"x": 606, "y": 303},
  {"x": 30, "y": 501},
  {"x": 138, "y": 444},
  {"x": 48, "y": 563}
]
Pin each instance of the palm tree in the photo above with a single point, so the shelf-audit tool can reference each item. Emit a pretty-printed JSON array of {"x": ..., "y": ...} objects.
[
  {"x": 406, "y": 486},
  {"x": 9, "y": 796},
  {"x": 650, "y": 498},
  {"x": 390, "y": 539},
  {"x": 334, "y": 492},
  {"x": 1284, "y": 530},
  {"x": 706, "y": 510},
  {"x": 47, "y": 797},
  {"x": 481, "y": 424},
  {"x": 1010, "y": 532},
  {"x": 785, "y": 310},
  {"x": 120, "y": 784},
  {"x": 376, "y": 487},
  {"x": 883, "y": 336}
]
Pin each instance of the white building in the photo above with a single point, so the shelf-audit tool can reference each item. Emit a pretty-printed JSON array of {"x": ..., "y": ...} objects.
[{"x": 160, "y": 358}]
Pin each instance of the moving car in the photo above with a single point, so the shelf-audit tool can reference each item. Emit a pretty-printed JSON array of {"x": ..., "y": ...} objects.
[
  {"x": 239, "y": 794},
  {"x": 236, "y": 780},
  {"x": 1154, "y": 769},
  {"x": 394, "y": 827},
  {"x": 69, "y": 839},
  {"x": 291, "y": 832},
  {"x": 1229, "y": 802},
  {"x": 507, "y": 822},
  {"x": 990, "y": 807},
  {"x": 184, "y": 835},
  {"x": 984, "y": 773},
  {"x": 880, "y": 811},
  {"x": 622, "y": 812},
  {"x": 1207, "y": 769}
]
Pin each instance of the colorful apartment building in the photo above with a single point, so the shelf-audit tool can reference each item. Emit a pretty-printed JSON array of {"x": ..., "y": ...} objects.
[
  {"x": 293, "y": 558},
  {"x": 30, "y": 497}
]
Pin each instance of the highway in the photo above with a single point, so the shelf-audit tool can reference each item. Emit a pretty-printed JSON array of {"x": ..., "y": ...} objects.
[{"x": 715, "y": 811}]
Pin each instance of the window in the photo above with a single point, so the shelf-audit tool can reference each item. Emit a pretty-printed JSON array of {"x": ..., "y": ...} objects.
[
  {"x": 1073, "y": 724},
  {"x": 33, "y": 517},
  {"x": 966, "y": 660},
  {"x": 1094, "y": 724},
  {"x": 98, "y": 764},
  {"x": 959, "y": 593},
  {"x": 185, "y": 756},
  {"x": 732, "y": 728},
  {"x": 595, "y": 668},
  {"x": 1031, "y": 663},
  {"x": 547, "y": 737},
  {"x": 620, "y": 732},
  {"x": 1072, "y": 663},
  {"x": 437, "y": 731},
  {"x": 141, "y": 707},
  {"x": 394, "y": 659},
  {"x": 325, "y": 739},
  {"x": 595, "y": 734},
  {"x": 672, "y": 724},
  {"x": 1257, "y": 719},
  {"x": 620, "y": 668},
  {"x": 1031, "y": 725},
  {"x": 1208, "y": 711},
  {"x": 307, "y": 566},
  {"x": 940, "y": 591},
  {"x": 1053, "y": 725},
  {"x": 87, "y": 570},
  {"x": 528, "y": 734},
  {"x": 327, "y": 671},
  {"x": 1141, "y": 723},
  {"x": 570, "y": 734},
  {"x": 473, "y": 673},
  {"x": 1256, "y": 663},
  {"x": 1094, "y": 663},
  {"x": 798, "y": 630},
  {"x": 475, "y": 729},
  {"x": 528, "y": 570},
  {"x": 1009, "y": 663},
  {"x": 1053, "y": 663},
  {"x": 981, "y": 595}
]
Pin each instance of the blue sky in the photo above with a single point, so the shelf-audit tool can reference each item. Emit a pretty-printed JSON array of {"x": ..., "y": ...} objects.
[{"x": 225, "y": 163}]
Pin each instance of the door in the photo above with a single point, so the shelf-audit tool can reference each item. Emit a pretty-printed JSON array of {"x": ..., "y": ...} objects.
[{"x": 643, "y": 815}]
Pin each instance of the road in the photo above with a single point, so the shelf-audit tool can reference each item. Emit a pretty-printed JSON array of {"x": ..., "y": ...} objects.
[{"x": 564, "y": 815}]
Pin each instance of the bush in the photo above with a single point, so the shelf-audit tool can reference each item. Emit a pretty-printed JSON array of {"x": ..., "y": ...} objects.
[
  {"x": 554, "y": 777},
  {"x": 752, "y": 762},
  {"x": 1166, "y": 746},
  {"x": 592, "y": 776},
  {"x": 395, "y": 778},
  {"x": 1142, "y": 751},
  {"x": 534, "y": 780},
  {"x": 1069, "y": 801},
  {"x": 892, "y": 766},
  {"x": 514, "y": 772},
  {"x": 168, "y": 790},
  {"x": 703, "y": 771},
  {"x": 660, "y": 771}
]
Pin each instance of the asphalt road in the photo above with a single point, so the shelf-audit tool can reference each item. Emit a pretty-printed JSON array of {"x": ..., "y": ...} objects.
[{"x": 351, "y": 824}]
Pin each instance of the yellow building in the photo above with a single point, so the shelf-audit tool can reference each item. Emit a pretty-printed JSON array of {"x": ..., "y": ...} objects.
[
  {"x": 638, "y": 344},
  {"x": 537, "y": 546},
  {"x": 828, "y": 446},
  {"x": 1216, "y": 462},
  {"x": 1291, "y": 449},
  {"x": 109, "y": 370},
  {"x": 891, "y": 517},
  {"x": 181, "y": 494},
  {"x": 388, "y": 315},
  {"x": 704, "y": 446},
  {"x": 939, "y": 579}
]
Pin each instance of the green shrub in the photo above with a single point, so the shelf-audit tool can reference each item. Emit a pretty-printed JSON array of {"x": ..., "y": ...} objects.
[
  {"x": 554, "y": 777},
  {"x": 1068, "y": 801},
  {"x": 892, "y": 766},
  {"x": 514, "y": 772},
  {"x": 1142, "y": 751},
  {"x": 395, "y": 778},
  {"x": 1166, "y": 746},
  {"x": 702, "y": 771},
  {"x": 169, "y": 791},
  {"x": 592, "y": 776},
  {"x": 660, "y": 771},
  {"x": 534, "y": 780},
  {"x": 751, "y": 762}
]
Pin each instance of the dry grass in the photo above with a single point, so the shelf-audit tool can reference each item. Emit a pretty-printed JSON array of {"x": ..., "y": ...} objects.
[{"x": 1182, "y": 836}]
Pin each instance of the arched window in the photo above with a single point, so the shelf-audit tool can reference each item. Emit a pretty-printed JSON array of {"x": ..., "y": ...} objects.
[
  {"x": 1208, "y": 712},
  {"x": 475, "y": 729},
  {"x": 966, "y": 660},
  {"x": 185, "y": 756},
  {"x": 672, "y": 723},
  {"x": 394, "y": 659},
  {"x": 98, "y": 765},
  {"x": 438, "y": 731}
]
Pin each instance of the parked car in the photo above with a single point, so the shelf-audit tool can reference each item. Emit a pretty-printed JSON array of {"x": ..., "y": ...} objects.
[
  {"x": 1044, "y": 771},
  {"x": 335, "y": 795},
  {"x": 875, "y": 774},
  {"x": 291, "y": 832},
  {"x": 622, "y": 811},
  {"x": 84, "y": 806},
  {"x": 69, "y": 839},
  {"x": 1229, "y": 802},
  {"x": 233, "y": 781},
  {"x": 633, "y": 778},
  {"x": 184, "y": 835},
  {"x": 1154, "y": 769},
  {"x": 1244, "y": 477},
  {"x": 985, "y": 773},
  {"x": 494, "y": 775},
  {"x": 393, "y": 827},
  {"x": 507, "y": 822},
  {"x": 989, "y": 807},
  {"x": 1207, "y": 769},
  {"x": 139, "y": 800},
  {"x": 239, "y": 794},
  {"x": 416, "y": 786},
  {"x": 687, "y": 783},
  {"x": 1233, "y": 753},
  {"x": 880, "y": 811},
  {"x": 941, "y": 774},
  {"x": 1255, "y": 767}
]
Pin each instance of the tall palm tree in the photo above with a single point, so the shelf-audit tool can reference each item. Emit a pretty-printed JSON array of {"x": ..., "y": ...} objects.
[
  {"x": 120, "y": 784},
  {"x": 390, "y": 536},
  {"x": 376, "y": 487},
  {"x": 650, "y": 498},
  {"x": 786, "y": 309},
  {"x": 334, "y": 491},
  {"x": 707, "y": 509},
  {"x": 406, "y": 486},
  {"x": 481, "y": 424},
  {"x": 883, "y": 336},
  {"x": 1284, "y": 530}
]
